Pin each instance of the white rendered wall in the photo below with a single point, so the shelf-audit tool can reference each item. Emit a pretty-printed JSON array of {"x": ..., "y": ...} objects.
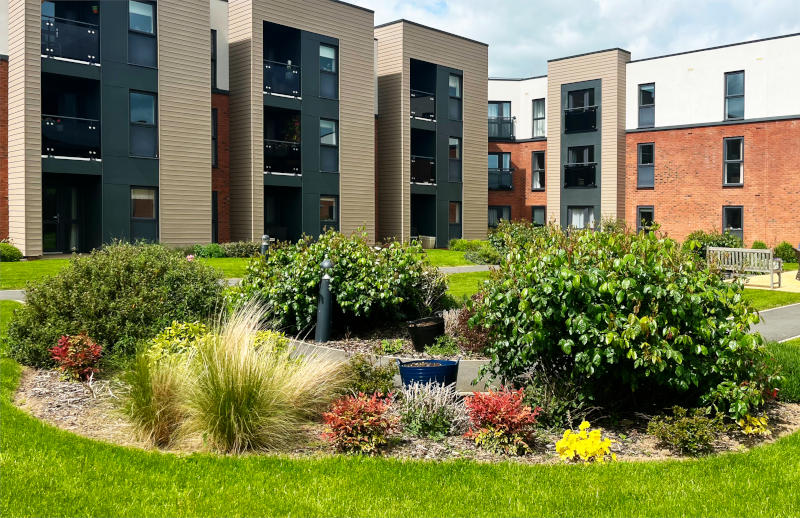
[
  {"x": 690, "y": 87},
  {"x": 219, "y": 22},
  {"x": 521, "y": 93}
]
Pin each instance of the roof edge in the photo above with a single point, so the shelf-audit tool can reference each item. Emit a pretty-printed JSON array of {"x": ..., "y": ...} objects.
[
  {"x": 354, "y": 5},
  {"x": 717, "y": 47},
  {"x": 516, "y": 78},
  {"x": 589, "y": 54},
  {"x": 403, "y": 20}
]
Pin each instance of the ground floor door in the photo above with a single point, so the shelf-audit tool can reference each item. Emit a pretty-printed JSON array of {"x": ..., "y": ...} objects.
[{"x": 66, "y": 211}]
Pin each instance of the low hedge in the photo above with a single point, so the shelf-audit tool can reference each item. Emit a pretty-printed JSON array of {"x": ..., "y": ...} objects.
[{"x": 9, "y": 253}]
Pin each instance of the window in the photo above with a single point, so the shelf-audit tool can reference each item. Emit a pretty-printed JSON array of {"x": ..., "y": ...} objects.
[
  {"x": 496, "y": 213},
  {"x": 537, "y": 171},
  {"x": 580, "y": 217},
  {"x": 142, "y": 34},
  {"x": 143, "y": 203},
  {"x": 733, "y": 221},
  {"x": 580, "y": 155},
  {"x": 143, "y": 131},
  {"x": 214, "y": 217},
  {"x": 499, "y": 109},
  {"x": 734, "y": 161},
  {"x": 580, "y": 98},
  {"x": 213, "y": 58},
  {"x": 454, "y": 220},
  {"x": 644, "y": 218},
  {"x": 538, "y": 118},
  {"x": 454, "y": 154},
  {"x": 647, "y": 105},
  {"x": 328, "y": 146},
  {"x": 580, "y": 171},
  {"x": 454, "y": 102},
  {"x": 328, "y": 72},
  {"x": 214, "y": 150},
  {"x": 328, "y": 213},
  {"x": 501, "y": 124},
  {"x": 734, "y": 95},
  {"x": 539, "y": 216},
  {"x": 645, "y": 171}
]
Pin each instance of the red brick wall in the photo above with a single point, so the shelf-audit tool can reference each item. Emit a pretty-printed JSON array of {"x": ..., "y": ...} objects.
[
  {"x": 3, "y": 148},
  {"x": 221, "y": 175},
  {"x": 688, "y": 193},
  {"x": 520, "y": 198}
]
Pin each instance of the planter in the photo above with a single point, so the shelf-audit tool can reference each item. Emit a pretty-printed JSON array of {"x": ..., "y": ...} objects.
[
  {"x": 426, "y": 371},
  {"x": 428, "y": 242},
  {"x": 425, "y": 331}
]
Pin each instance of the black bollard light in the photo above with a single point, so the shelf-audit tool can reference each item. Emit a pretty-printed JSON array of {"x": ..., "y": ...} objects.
[
  {"x": 264, "y": 244},
  {"x": 323, "y": 330}
]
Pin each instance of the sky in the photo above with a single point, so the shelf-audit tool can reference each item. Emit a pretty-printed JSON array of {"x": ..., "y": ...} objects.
[{"x": 523, "y": 35}]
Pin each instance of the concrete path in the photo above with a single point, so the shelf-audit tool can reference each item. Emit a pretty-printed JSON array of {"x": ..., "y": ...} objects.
[
  {"x": 18, "y": 295},
  {"x": 464, "y": 269},
  {"x": 780, "y": 324}
]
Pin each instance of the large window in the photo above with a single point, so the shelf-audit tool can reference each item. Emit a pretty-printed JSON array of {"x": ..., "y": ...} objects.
[
  {"x": 497, "y": 213},
  {"x": 583, "y": 98},
  {"x": 328, "y": 72},
  {"x": 644, "y": 218},
  {"x": 539, "y": 215},
  {"x": 328, "y": 146},
  {"x": 214, "y": 139},
  {"x": 733, "y": 221},
  {"x": 143, "y": 130},
  {"x": 213, "y": 58},
  {"x": 580, "y": 155},
  {"x": 537, "y": 171},
  {"x": 501, "y": 123},
  {"x": 454, "y": 83},
  {"x": 454, "y": 155},
  {"x": 328, "y": 213},
  {"x": 538, "y": 118},
  {"x": 142, "y": 33},
  {"x": 500, "y": 171},
  {"x": 647, "y": 105},
  {"x": 645, "y": 169},
  {"x": 734, "y": 95},
  {"x": 733, "y": 173},
  {"x": 580, "y": 217}
]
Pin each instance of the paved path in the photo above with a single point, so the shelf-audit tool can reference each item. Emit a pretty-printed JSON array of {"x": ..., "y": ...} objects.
[
  {"x": 780, "y": 324},
  {"x": 18, "y": 295},
  {"x": 464, "y": 269}
]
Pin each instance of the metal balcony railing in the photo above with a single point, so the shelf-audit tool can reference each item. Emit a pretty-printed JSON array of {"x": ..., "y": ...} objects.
[
  {"x": 580, "y": 175},
  {"x": 281, "y": 78},
  {"x": 577, "y": 120},
  {"x": 70, "y": 39},
  {"x": 501, "y": 128},
  {"x": 423, "y": 169},
  {"x": 281, "y": 156},
  {"x": 70, "y": 137},
  {"x": 423, "y": 105},
  {"x": 500, "y": 179}
]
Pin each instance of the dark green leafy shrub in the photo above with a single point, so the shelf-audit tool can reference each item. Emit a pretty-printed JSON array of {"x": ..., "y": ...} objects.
[
  {"x": 759, "y": 245},
  {"x": 209, "y": 250},
  {"x": 118, "y": 295},
  {"x": 466, "y": 245},
  {"x": 620, "y": 314},
  {"x": 688, "y": 433},
  {"x": 485, "y": 254},
  {"x": 514, "y": 234},
  {"x": 699, "y": 241},
  {"x": 786, "y": 252},
  {"x": 561, "y": 400},
  {"x": 242, "y": 248},
  {"x": 9, "y": 253},
  {"x": 368, "y": 377}
]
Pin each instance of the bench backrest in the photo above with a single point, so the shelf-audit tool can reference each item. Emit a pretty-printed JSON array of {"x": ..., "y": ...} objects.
[{"x": 740, "y": 259}]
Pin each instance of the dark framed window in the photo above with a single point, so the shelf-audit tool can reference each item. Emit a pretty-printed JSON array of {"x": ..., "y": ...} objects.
[
  {"x": 733, "y": 220},
  {"x": 454, "y": 220},
  {"x": 213, "y": 58},
  {"x": 501, "y": 123},
  {"x": 645, "y": 167},
  {"x": 580, "y": 154},
  {"x": 144, "y": 213},
  {"x": 538, "y": 118},
  {"x": 580, "y": 217},
  {"x": 539, "y": 215},
  {"x": 454, "y": 86},
  {"x": 499, "y": 109},
  {"x": 644, "y": 217},
  {"x": 328, "y": 212},
  {"x": 214, "y": 140},
  {"x": 647, "y": 105},
  {"x": 733, "y": 155},
  {"x": 142, "y": 40},
  {"x": 537, "y": 171},
  {"x": 143, "y": 125},
  {"x": 500, "y": 171},
  {"x": 454, "y": 159},
  {"x": 214, "y": 217},
  {"x": 328, "y": 146},
  {"x": 328, "y": 71},
  {"x": 734, "y": 95},
  {"x": 498, "y": 213},
  {"x": 583, "y": 98}
]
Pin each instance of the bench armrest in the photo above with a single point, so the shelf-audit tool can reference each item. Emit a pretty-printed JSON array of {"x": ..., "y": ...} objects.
[{"x": 777, "y": 264}]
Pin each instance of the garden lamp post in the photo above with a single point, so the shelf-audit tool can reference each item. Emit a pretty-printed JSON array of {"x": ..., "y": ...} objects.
[
  {"x": 264, "y": 244},
  {"x": 324, "y": 305}
]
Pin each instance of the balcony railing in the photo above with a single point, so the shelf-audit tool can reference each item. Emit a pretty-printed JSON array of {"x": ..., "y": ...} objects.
[
  {"x": 70, "y": 137},
  {"x": 501, "y": 128},
  {"x": 500, "y": 179},
  {"x": 423, "y": 169},
  {"x": 281, "y": 157},
  {"x": 580, "y": 175},
  {"x": 281, "y": 78},
  {"x": 423, "y": 105},
  {"x": 577, "y": 120},
  {"x": 70, "y": 39}
]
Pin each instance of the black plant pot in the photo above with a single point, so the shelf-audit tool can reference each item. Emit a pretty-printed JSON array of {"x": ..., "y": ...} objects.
[
  {"x": 427, "y": 371},
  {"x": 425, "y": 331}
]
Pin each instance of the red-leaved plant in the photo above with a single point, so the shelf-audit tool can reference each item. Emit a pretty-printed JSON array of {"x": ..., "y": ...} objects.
[
  {"x": 76, "y": 356},
  {"x": 500, "y": 421},
  {"x": 359, "y": 423}
]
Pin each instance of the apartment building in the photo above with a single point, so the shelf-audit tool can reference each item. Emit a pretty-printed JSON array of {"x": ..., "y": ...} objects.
[{"x": 706, "y": 139}]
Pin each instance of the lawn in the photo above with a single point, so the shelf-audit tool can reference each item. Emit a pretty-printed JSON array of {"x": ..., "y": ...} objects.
[
  {"x": 787, "y": 355},
  {"x": 465, "y": 284},
  {"x": 231, "y": 267},
  {"x": 446, "y": 258},
  {"x": 7, "y": 308},
  {"x": 766, "y": 299}
]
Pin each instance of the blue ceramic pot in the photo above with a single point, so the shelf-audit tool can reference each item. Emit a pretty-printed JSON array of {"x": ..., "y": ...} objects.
[{"x": 426, "y": 371}]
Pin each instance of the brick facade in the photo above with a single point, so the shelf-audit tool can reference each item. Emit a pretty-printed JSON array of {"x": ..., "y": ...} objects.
[
  {"x": 221, "y": 175},
  {"x": 3, "y": 148},
  {"x": 521, "y": 198},
  {"x": 689, "y": 195}
]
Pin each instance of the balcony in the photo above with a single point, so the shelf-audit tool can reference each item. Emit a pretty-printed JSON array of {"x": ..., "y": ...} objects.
[
  {"x": 577, "y": 120},
  {"x": 70, "y": 137},
  {"x": 281, "y": 79},
  {"x": 70, "y": 39},
  {"x": 501, "y": 128},
  {"x": 423, "y": 169},
  {"x": 500, "y": 179},
  {"x": 580, "y": 175},
  {"x": 281, "y": 157},
  {"x": 423, "y": 105}
]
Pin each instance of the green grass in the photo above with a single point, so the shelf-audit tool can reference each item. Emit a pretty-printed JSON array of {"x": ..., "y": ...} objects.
[
  {"x": 7, "y": 308},
  {"x": 465, "y": 284},
  {"x": 231, "y": 267},
  {"x": 446, "y": 258},
  {"x": 766, "y": 299},
  {"x": 787, "y": 267},
  {"x": 788, "y": 356},
  {"x": 13, "y": 276}
]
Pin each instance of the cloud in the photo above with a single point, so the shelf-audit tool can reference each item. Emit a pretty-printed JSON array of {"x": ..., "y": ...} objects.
[{"x": 523, "y": 35}]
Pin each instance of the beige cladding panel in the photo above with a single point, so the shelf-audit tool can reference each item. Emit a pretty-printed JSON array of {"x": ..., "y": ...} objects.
[
  {"x": 184, "y": 121},
  {"x": 25, "y": 126}
]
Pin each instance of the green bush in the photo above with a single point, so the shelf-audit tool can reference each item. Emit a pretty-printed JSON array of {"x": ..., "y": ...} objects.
[
  {"x": 759, "y": 245},
  {"x": 699, "y": 241},
  {"x": 370, "y": 287},
  {"x": 368, "y": 377},
  {"x": 444, "y": 345},
  {"x": 9, "y": 253},
  {"x": 514, "y": 234},
  {"x": 621, "y": 313},
  {"x": 687, "y": 433},
  {"x": 786, "y": 252},
  {"x": 118, "y": 295},
  {"x": 485, "y": 254},
  {"x": 466, "y": 245},
  {"x": 210, "y": 250},
  {"x": 242, "y": 248}
]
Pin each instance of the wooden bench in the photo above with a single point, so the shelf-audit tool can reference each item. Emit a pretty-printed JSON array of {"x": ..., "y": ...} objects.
[{"x": 746, "y": 260}]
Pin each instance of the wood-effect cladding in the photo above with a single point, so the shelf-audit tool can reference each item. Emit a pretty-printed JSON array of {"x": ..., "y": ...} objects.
[{"x": 184, "y": 121}]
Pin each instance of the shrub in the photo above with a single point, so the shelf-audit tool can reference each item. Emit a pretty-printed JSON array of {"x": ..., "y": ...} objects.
[
  {"x": 432, "y": 410},
  {"x": 759, "y": 245},
  {"x": 699, "y": 241},
  {"x": 76, "y": 356},
  {"x": 752, "y": 425},
  {"x": 560, "y": 399},
  {"x": 622, "y": 313},
  {"x": 443, "y": 346},
  {"x": 242, "y": 248},
  {"x": 209, "y": 250},
  {"x": 359, "y": 424},
  {"x": 177, "y": 338},
  {"x": 391, "y": 347},
  {"x": 689, "y": 433},
  {"x": 366, "y": 376},
  {"x": 484, "y": 254},
  {"x": 369, "y": 285},
  {"x": 472, "y": 337},
  {"x": 785, "y": 251},
  {"x": 500, "y": 421},
  {"x": 119, "y": 295},
  {"x": 466, "y": 245},
  {"x": 9, "y": 253},
  {"x": 585, "y": 445},
  {"x": 516, "y": 234}
]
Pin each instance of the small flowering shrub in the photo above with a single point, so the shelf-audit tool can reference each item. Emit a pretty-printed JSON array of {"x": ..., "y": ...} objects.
[
  {"x": 585, "y": 445},
  {"x": 177, "y": 338},
  {"x": 683, "y": 432},
  {"x": 76, "y": 356},
  {"x": 754, "y": 425},
  {"x": 359, "y": 424},
  {"x": 432, "y": 410},
  {"x": 500, "y": 421}
]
